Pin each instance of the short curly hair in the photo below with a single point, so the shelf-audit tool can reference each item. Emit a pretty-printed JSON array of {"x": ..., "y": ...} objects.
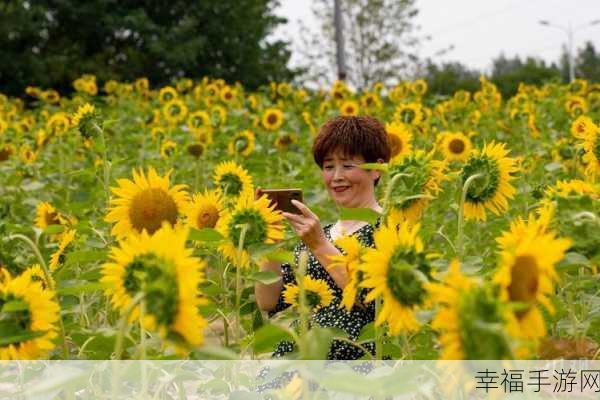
[{"x": 353, "y": 136}]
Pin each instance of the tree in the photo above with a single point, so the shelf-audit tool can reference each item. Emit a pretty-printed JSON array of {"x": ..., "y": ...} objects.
[
  {"x": 508, "y": 73},
  {"x": 379, "y": 37},
  {"x": 587, "y": 63},
  {"x": 51, "y": 42},
  {"x": 447, "y": 78}
]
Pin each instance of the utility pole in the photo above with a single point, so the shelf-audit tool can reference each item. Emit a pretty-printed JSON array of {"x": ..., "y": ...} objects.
[
  {"x": 340, "y": 55},
  {"x": 570, "y": 46}
]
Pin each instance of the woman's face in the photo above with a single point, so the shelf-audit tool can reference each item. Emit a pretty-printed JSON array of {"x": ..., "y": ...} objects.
[{"x": 349, "y": 185}]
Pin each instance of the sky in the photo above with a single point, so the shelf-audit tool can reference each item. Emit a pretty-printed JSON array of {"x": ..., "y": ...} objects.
[{"x": 480, "y": 30}]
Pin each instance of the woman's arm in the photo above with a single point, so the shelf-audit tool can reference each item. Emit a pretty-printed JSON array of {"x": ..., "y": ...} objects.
[{"x": 267, "y": 295}]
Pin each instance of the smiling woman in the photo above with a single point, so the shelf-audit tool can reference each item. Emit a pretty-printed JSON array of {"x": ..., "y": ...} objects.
[{"x": 342, "y": 144}]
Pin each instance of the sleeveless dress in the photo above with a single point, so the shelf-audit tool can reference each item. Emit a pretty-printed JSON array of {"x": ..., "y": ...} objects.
[{"x": 332, "y": 316}]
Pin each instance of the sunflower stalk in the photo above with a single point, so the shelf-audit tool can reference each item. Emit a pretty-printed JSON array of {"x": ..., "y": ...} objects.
[
  {"x": 238, "y": 282},
  {"x": 461, "y": 214},
  {"x": 49, "y": 284},
  {"x": 388, "y": 193},
  {"x": 124, "y": 324},
  {"x": 302, "y": 308},
  {"x": 197, "y": 174},
  {"x": 105, "y": 164}
]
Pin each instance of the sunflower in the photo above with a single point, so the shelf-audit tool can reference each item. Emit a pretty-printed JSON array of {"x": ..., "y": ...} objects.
[
  {"x": 400, "y": 138},
  {"x": 27, "y": 154},
  {"x": 349, "y": 108},
  {"x": 205, "y": 210},
  {"x": 196, "y": 149},
  {"x": 3, "y": 125},
  {"x": 455, "y": 146},
  {"x": 86, "y": 120},
  {"x": 349, "y": 260},
  {"x": 242, "y": 143},
  {"x": 175, "y": 111},
  {"x": 575, "y": 187},
  {"x": 198, "y": 120},
  {"x": 219, "y": 113},
  {"x": 263, "y": 224},
  {"x": 470, "y": 319},
  {"x": 6, "y": 151},
  {"x": 145, "y": 203},
  {"x": 317, "y": 293},
  {"x": 421, "y": 181},
  {"x": 370, "y": 101},
  {"x": 591, "y": 157},
  {"x": 167, "y": 148},
  {"x": 272, "y": 119},
  {"x": 232, "y": 180},
  {"x": 165, "y": 271},
  {"x": 576, "y": 106},
  {"x": 167, "y": 94},
  {"x": 35, "y": 273},
  {"x": 396, "y": 271},
  {"x": 419, "y": 87},
  {"x": 27, "y": 331},
  {"x": 58, "y": 256},
  {"x": 58, "y": 123},
  {"x": 582, "y": 127},
  {"x": 142, "y": 85},
  {"x": 409, "y": 113},
  {"x": 285, "y": 140},
  {"x": 47, "y": 215},
  {"x": 493, "y": 189},
  {"x": 227, "y": 94},
  {"x": 526, "y": 275}
]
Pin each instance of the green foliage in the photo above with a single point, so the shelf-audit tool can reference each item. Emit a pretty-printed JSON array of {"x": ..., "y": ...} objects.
[
  {"x": 447, "y": 78},
  {"x": 51, "y": 43}
]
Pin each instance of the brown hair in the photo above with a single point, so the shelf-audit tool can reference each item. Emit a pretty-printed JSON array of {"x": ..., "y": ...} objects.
[{"x": 353, "y": 136}]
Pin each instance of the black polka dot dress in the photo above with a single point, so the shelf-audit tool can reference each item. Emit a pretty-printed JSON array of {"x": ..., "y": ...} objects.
[{"x": 332, "y": 316}]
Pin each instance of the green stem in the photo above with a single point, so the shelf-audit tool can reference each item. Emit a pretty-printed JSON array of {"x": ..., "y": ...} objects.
[
  {"x": 461, "y": 212},
  {"x": 302, "y": 308},
  {"x": 388, "y": 193},
  {"x": 49, "y": 284},
  {"x": 197, "y": 174},
  {"x": 105, "y": 164},
  {"x": 378, "y": 332},
  {"x": 238, "y": 282},
  {"x": 124, "y": 323}
]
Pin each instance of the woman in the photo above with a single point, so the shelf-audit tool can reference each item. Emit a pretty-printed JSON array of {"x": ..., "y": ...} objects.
[{"x": 342, "y": 144}]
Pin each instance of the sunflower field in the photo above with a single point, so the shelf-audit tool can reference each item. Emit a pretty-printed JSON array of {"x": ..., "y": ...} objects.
[{"x": 129, "y": 227}]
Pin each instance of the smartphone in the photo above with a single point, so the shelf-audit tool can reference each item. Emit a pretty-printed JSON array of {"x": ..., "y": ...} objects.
[{"x": 282, "y": 198}]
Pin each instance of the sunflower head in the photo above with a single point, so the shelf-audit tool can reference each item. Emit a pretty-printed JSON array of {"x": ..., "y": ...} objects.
[
  {"x": 162, "y": 269},
  {"x": 400, "y": 138},
  {"x": 409, "y": 113},
  {"x": 32, "y": 327},
  {"x": 232, "y": 180},
  {"x": 284, "y": 140},
  {"x": 46, "y": 215},
  {"x": 242, "y": 143},
  {"x": 167, "y": 148},
  {"x": 349, "y": 108},
  {"x": 317, "y": 293},
  {"x": 175, "y": 111},
  {"x": 256, "y": 219},
  {"x": 456, "y": 146},
  {"x": 86, "y": 120},
  {"x": 205, "y": 209},
  {"x": 196, "y": 149},
  {"x": 492, "y": 188},
  {"x": 145, "y": 203},
  {"x": 272, "y": 119}
]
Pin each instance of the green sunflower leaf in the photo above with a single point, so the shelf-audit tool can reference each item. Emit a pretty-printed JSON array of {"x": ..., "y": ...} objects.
[
  {"x": 205, "y": 235},
  {"x": 12, "y": 306},
  {"x": 53, "y": 229},
  {"x": 375, "y": 166},
  {"x": 266, "y": 277},
  {"x": 268, "y": 336},
  {"x": 20, "y": 337},
  {"x": 359, "y": 214},
  {"x": 79, "y": 288},
  {"x": 281, "y": 256}
]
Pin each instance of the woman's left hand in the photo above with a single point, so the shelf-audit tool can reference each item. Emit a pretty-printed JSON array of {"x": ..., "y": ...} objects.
[{"x": 307, "y": 226}]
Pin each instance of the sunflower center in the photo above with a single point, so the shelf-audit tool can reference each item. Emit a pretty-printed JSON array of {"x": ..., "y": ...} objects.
[
  {"x": 228, "y": 95},
  {"x": 272, "y": 119},
  {"x": 13, "y": 322},
  {"x": 241, "y": 143},
  {"x": 154, "y": 276},
  {"x": 456, "y": 146},
  {"x": 285, "y": 140},
  {"x": 4, "y": 154},
  {"x": 51, "y": 218},
  {"x": 486, "y": 186},
  {"x": 524, "y": 280},
  {"x": 395, "y": 144},
  {"x": 313, "y": 299},
  {"x": 195, "y": 149},
  {"x": 150, "y": 208},
  {"x": 207, "y": 218},
  {"x": 256, "y": 231},
  {"x": 407, "y": 115},
  {"x": 174, "y": 110},
  {"x": 480, "y": 322},
  {"x": 404, "y": 278},
  {"x": 231, "y": 184}
]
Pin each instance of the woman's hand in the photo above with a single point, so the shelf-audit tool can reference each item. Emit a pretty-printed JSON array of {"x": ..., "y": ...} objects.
[{"x": 307, "y": 226}]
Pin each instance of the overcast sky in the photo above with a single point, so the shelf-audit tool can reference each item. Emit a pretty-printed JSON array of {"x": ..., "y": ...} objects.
[{"x": 480, "y": 29}]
